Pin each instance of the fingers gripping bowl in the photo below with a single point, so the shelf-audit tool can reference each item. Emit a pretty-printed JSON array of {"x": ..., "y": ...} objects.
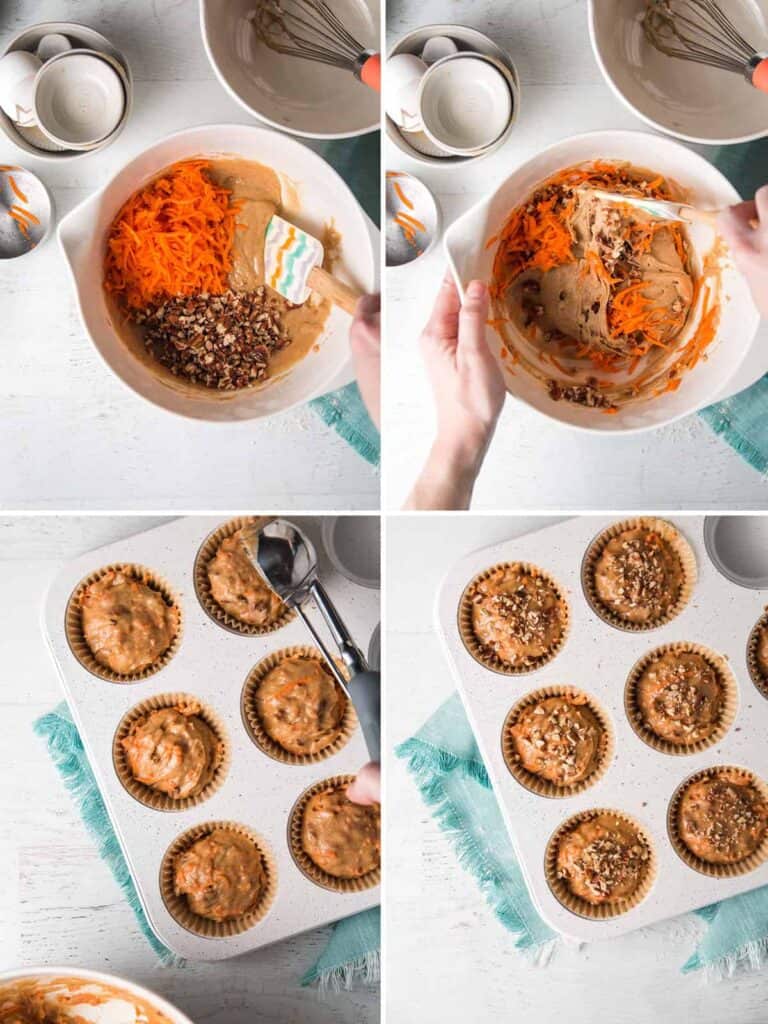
[
  {"x": 472, "y": 245},
  {"x": 312, "y": 196}
]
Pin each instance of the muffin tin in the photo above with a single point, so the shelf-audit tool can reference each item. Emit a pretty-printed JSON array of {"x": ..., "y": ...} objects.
[
  {"x": 598, "y": 658},
  {"x": 211, "y": 664}
]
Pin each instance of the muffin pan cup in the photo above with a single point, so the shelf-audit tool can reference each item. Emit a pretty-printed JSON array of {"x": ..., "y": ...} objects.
[
  {"x": 598, "y": 658},
  {"x": 211, "y": 665}
]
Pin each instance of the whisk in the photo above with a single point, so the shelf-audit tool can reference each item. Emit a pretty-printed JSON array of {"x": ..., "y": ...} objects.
[
  {"x": 309, "y": 29},
  {"x": 699, "y": 31}
]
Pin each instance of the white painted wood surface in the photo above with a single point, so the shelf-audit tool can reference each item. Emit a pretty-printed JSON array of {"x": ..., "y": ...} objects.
[
  {"x": 534, "y": 464},
  {"x": 72, "y": 435},
  {"x": 59, "y": 904},
  {"x": 448, "y": 960}
]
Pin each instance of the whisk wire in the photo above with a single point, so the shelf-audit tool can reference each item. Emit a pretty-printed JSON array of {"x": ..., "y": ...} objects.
[
  {"x": 698, "y": 31},
  {"x": 308, "y": 29}
]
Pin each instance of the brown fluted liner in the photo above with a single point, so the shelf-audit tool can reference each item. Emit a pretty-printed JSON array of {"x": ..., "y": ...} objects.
[
  {"x": 730, "y": 705},
  {"x": 177, "y": 905},
  {"x": 681, "y": 548},
  {"x": 535, "y": 783},
  {"x": 204, "y": 557},
  {"x": 704, "y": 867},
  {"x": 151, "y": 797},
  {"x": 304, "y": 863},
  {"x": 474, "y": 646},
  {"x": 73, "y": 624},
  {"x": 579, "y": 906},
  {"x": 757, "y": 677},
  {"x": 255, "y": 727}
]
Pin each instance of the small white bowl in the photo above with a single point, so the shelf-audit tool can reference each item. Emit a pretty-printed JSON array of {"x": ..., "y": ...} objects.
[
  {"x": 465, "y": 103},
  {"x": 17, "y": 70},
  {"x": 79, "y": 99},
  {"x": 691, "y": 101}
]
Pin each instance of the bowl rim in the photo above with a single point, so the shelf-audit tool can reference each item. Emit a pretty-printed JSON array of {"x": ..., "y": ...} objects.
[
  {"x": 697, "y": 139},
  {"x": 376, "y": 126},
  {"x": 606, "y": 134},
  {"x": 115, "y": 980},
  {"x": 94, "y": 196}
]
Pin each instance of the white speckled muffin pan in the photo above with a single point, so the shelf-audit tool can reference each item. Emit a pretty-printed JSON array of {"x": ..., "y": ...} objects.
[
  {"x": 211, "y": 664},
  {"x": 598, "y": 658}
]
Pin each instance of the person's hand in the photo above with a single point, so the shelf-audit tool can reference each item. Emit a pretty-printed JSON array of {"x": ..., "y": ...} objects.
[
  {"x": 469, "y": 392},
  {"x": 366, "y": 789},
  {"x": 365, "y": 342},
  {"x": 749, "y": 244}
]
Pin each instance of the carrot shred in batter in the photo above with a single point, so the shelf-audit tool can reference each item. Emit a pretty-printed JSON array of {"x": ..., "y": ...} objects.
[{"x": 173, "y": 237}]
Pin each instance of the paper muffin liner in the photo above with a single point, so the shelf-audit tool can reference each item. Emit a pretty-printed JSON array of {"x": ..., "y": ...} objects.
[
  {"x": 73, "y": 623},
  {"x": 727, "y": 716},
  {"x": 581, "y": 907},
  {"x": 304, "y": 862},
  {"x": 487, "y": 658},
  {"x": 253, "y": 723},
  {"x": 704, "y": 867},
  {"x": 177, "y": 905},
  {"x": 151, "y": 797},
  {"x": 535, "y": 783},
  {"x": 680, "y": 546},
  {"x": 203, "y": 559},
  {"x": 757, "y": 677}
]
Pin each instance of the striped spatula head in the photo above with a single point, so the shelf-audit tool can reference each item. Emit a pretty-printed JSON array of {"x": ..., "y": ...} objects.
[{"x": 290, "y": 256}]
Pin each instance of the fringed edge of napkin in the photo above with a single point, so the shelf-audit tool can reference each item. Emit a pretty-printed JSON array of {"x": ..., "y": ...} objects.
[
  {"x": 428, "y": 765},
  {"x": 364, "y": 970}
]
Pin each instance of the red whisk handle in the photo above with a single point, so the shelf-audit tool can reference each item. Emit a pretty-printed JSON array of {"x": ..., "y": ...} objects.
[
  {"x": 760, "y": 75},
  {"x": 370, "y": 72}
]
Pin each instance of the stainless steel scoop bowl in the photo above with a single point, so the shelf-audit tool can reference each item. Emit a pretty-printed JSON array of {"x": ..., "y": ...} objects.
[{"x": 286, "y": 559}]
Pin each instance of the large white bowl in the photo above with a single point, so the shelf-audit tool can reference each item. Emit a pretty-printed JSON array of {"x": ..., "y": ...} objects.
[
  {"x": 296, "y": 95},
  {"x": 691, "y": 101},
  {"x": 465, "y": 243},
  {"x": 50, "y": 973},
  {"x": 315, "y": 195}
]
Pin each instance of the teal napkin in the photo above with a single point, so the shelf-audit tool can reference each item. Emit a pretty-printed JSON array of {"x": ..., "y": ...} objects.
[
  {"x": 352, "y": 952},
  {"x": 357, "y": 161},
  {"x": 447, "y": 767},
  {"x": 742, "y": 421}
]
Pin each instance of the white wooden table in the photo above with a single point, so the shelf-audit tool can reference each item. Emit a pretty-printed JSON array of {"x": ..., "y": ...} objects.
[
  {"x": 72, "y": 435},
  {"x": 448, "y": 960},
  {"x": 534, "y": 464},
  {"x": 59, "y": 904}
]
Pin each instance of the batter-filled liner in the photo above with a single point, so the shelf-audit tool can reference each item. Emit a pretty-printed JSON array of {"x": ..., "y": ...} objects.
[
  {"x": 757, "y": 673},
  {"x": 256, "y": 728},
  {"x": 204, "y": 557},
  {"x": 177, "y": 904},
  {"x": 302, "y": 859},
  {"x": 217, "y": 771},
  {"x": 728, "y": 709},
  {"x": 705, "y": 867},
  {"x": 186, "y": 284},
  {"x": 603, "y": 304},
  {"x": 577, "y": 904},
  {"x": 537, "y": 783},
  {"x": 73, "y": 623}
]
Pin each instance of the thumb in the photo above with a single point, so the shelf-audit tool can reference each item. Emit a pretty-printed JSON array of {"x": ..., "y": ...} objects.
[{"x": 473, "y": 317}]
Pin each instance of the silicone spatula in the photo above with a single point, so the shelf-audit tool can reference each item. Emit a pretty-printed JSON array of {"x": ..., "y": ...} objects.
[{"x": 293, "y": 267}]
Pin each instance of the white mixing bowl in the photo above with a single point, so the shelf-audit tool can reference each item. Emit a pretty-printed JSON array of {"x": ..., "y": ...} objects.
[
  {"x": 50, "y": 973},
  {"x": 465, "y": 243},
  {"x": 315, "y": 195},
  {"x": 296, "y": 95},
  {"x": 691, "y": 101}
]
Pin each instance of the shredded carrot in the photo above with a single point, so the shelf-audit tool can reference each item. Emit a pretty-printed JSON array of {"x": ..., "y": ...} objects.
[
  {"x": 412, "y": 221},
  {"x": 17, "y": 191},
  {"x": 27, "y": 214},
  {"x": 22, "y": 224},
  {"x": 173, "y": 237},
  {"x": 402, "y": 196}
]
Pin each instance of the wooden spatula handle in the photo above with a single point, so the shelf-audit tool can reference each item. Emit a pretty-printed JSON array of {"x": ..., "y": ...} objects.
[{"x": 329, "y": 287}]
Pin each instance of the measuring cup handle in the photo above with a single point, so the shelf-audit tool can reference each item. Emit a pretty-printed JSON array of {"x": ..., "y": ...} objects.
[{"x": 365, "y": 691}]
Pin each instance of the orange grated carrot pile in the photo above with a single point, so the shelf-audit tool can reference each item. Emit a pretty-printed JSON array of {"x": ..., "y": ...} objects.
[{"x": 173, "y": 237}]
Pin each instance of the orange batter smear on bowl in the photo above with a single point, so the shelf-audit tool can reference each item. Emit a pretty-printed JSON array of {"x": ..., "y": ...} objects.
[{"x": 597, "y": 299}]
